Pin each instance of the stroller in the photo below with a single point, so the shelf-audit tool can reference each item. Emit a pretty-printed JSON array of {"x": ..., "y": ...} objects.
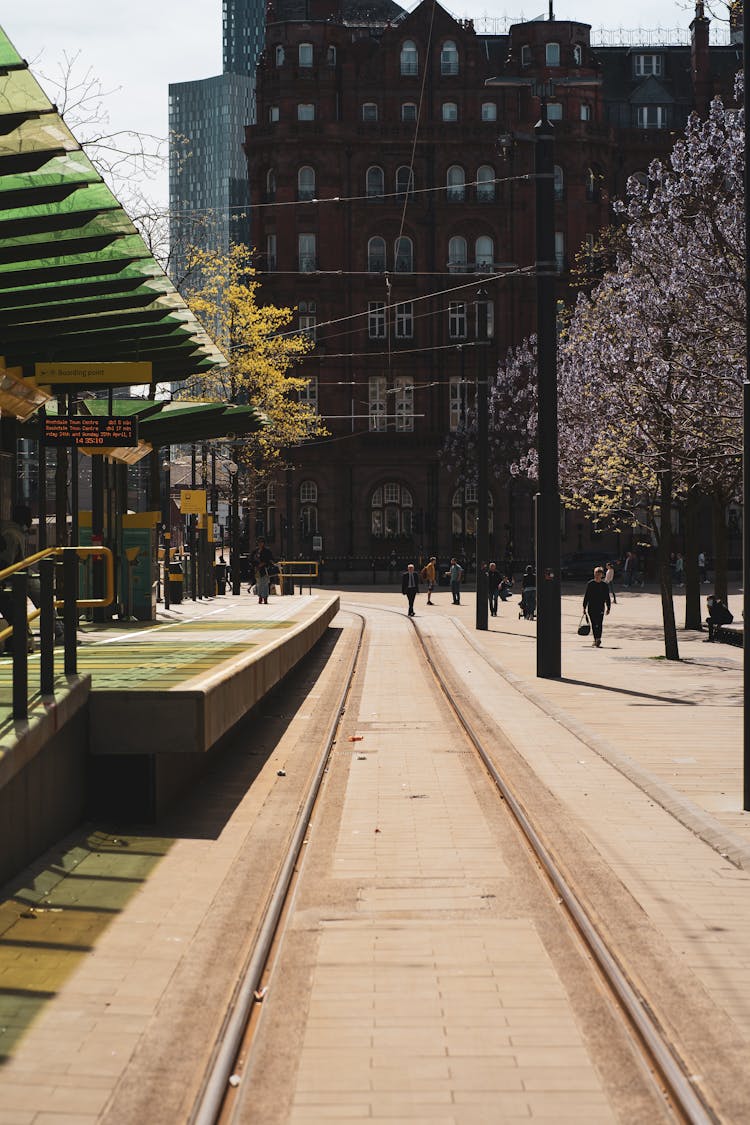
[{"x": 527, "y": 604}]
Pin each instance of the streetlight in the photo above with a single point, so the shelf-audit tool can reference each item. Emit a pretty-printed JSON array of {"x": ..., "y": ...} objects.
[
  {"x": 234, "y": 555},
  {"x": 482, "y": 529},
  {"x": 167, "y": 528},
  {"x": 746, "y": 435}
]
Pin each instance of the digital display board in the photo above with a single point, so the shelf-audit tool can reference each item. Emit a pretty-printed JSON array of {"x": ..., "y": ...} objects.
[{"x": 82, "y": 430}]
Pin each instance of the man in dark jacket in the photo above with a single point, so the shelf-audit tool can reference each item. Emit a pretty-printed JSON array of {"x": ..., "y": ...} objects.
[
  {"x": 595, "y": 600},
  {"x": 410, "y": 586}
]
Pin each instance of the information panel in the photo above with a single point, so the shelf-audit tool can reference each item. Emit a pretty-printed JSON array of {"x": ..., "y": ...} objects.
[
  {"x": 79, "y": 429},
  {"x": 193, "y": 501}
]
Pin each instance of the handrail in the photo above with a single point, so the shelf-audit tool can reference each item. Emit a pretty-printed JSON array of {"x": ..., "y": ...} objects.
[
  {"x": 312, "y": 563},
  {"x": 50, "y": 552}
]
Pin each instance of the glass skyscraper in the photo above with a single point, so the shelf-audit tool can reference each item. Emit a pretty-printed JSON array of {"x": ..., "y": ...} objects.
[{"x": 244, "y": 26}]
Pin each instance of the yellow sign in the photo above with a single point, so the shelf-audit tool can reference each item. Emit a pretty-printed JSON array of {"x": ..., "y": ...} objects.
[
  {"x": 206, "y": 520},
  {"x": 93, "y": 374},
  {"x": 193, "y": 502}
]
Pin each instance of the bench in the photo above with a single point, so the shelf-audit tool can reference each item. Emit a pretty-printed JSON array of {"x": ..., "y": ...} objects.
[{"x": 728, "y": 635}]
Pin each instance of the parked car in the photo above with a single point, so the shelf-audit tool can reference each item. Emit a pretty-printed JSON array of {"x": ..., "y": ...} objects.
[{"x": 580, "y": 565}]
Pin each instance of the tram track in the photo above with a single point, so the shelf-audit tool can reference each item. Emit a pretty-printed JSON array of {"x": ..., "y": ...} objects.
[{"x": 660, "y": 1059}]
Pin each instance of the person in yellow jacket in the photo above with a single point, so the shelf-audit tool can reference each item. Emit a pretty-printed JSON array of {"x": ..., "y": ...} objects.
[{"x": 428, "y": 575}]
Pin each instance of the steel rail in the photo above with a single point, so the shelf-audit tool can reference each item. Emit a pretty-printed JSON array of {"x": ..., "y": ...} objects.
[{"x": 208, "y": 1105}]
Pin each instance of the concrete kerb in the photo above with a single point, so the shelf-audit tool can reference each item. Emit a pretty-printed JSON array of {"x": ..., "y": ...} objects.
[{"x": 696, "y": 820}]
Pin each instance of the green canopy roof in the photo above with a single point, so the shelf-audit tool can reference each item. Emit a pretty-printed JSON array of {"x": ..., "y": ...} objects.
[{"x": 77, "y": 281}]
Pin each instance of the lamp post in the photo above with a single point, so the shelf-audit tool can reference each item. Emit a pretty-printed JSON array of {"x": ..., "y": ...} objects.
[
  {"x": 234, "y": 553},
  {"x": 482, "y": 529},
  {"x": 167, "y": 525},
  {"x": 746, "y": 434},
  {"x": 548, "y": 642}
]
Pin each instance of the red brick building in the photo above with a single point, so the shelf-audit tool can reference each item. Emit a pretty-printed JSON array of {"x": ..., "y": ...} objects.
[{"x": 390, "y": 183}]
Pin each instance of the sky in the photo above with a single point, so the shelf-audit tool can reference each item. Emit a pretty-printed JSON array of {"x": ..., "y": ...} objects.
[{"x": 137, "y": 48}]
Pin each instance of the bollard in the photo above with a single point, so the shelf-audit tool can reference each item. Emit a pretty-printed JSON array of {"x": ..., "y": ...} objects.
[
  {"x": 70, "y": 611},
  {"x": 18, "y": 584},
  {"x": 47, "y": 627}
]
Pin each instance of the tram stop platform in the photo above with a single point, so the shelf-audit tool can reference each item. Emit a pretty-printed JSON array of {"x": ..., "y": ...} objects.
[{"x": 149, "y": 702}]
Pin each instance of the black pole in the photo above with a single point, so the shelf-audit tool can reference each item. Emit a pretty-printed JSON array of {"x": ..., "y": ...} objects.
[
  {"x": 70, "y": 611},
  {"x": 18, "y": 587},
  {"x": 746, "y": 434},
  {"x": 234, "y": 558},
  {"x": 47, "y": 626},
  {"x": 483, "y": 510},
  {"x": 42, "y": 484},
  {"x": 548, "y": 659},
  {"x": 167, "y": 524}
]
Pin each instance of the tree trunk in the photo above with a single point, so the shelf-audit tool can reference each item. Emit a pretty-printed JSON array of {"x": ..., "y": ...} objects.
[
  {"x": 61, "y": 497},
  {"x": 721, "y": 545},
  {"x": 671, "y": 650},
  {"x": 692, "y": 577}
]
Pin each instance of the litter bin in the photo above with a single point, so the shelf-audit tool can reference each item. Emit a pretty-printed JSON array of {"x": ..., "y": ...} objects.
[{"x": 176, "y": 582}]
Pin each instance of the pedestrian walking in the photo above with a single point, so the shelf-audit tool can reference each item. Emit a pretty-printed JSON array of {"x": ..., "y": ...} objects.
[
  {"x": 260, "y": 564},
  {"x": 609, "y": 577},
  {"x": 679, "y": 570},
  {"x": 596, "y": 602},
  {"x": 428, "y": 575},
  {"x": 494, "y": 579},
  {"x": 455, "y": 574},
  {"x": 410, "y": 586},
  {"x": 702, "y": 566}
]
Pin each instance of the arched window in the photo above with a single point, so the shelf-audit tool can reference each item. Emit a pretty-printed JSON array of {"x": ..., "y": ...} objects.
[
  {"x": 409, "y": 57},
  {"x": 484, "y": 252},
  {"x": 404, "y": 180},
  {"x": 404, "y": 255},
  {"x": 270, "y": 185},
  {"x": 391, "y": 507},
  {"x": 308, "y": 512},
  {"x": 456, "y": 184},
  {"x": 271, "y": 493},
  {"x": 552, "y": 54},
  {"x": 308, "y": 492},
  {"x": 306, "y": 182},
  {"x": 375, "y": 182},
  {"x": 457, "y": 252},
  {"x": 409, "y": 111},
  {"x": 369, "y": 111},
  {"x": 450, "y": 111},
  {"x": 449, "y": 58},
  {"x": 464, "y": 511},
  {"x": 593, "y": 186},
  {"x": 577, "y": 54},
  {"x": 485, "y": 183},
  {"x": 559, "y": 184},
  {"x": 376, "y": 255},
  {"x": 489, "y": 111},
  {"x": 305, "y": 54},
  {"x": 279, "y": 55}
]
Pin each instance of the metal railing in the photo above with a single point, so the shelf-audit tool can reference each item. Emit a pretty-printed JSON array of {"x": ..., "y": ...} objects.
[
  {"x": 290, "y": 569},
  {"x": 15, "y": 607}
]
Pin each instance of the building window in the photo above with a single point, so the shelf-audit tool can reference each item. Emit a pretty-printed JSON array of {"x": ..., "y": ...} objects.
[
  {"x": 552, "y": 54},
  {"x": 488, "y": 309},
  {"x": 464, "y": 511},
  {"x": 484, "y": 253},
  {"x": 273, "y": 113},
  {"x": 456, "y": 184},
  {"x": 457, "y": 403},
  {"x": 457, "y": 320},
  {"x": 489, "y": 111},
  {"x": 449, "y": 58},
  {"x": 403, "y": 387},
  {"x": 450, "y": 111},
  {"x": 377, "y": 420},
  {"x": 404, "y": 181},
  {"x": 554, "y": 111},
  {"x": 376, "y": 255},
  {"x": 651, "y": 117},
  {"x": 376, "y": 320},
  {"x": 270, "y": 528},
  {"x": 485, "y": 184},
  {"x": 270, "y": 251},
  {"x": 308, "y": 395},
  {"x": 404, "y": 255},
  {"x": 305, "y": 54},
  {"x": 305, "y": 111},
  {"x": 457, "y": 253},
  {"x": 526, "y": 56},
  {"x": 270, "y": 185},
  {"x": 307, "y": 253},
  {"x": 279, "y": 55},
  {"x": 307, "y": 326},
  {"x": 585, "y": 112},
  {"x": 391, "y": 510},
  {"x": 577, "y": 54},
  {"x": 409, "y": 57},
  {"x": 646, "y": 65},
  {"x": 308, "y": 499},
  {"x": 593, "y": 186},
  {"x": 559, "y": 251},
  {"x": 306, "y": 183},
  {"x": 559, "y": 184},
  {"x": 375, "y": 182},
  {"x": 404, "y": 320},
  {"x": 409, "y": 111},
  {"x": 369, "y": 111},
  {"x": 308, "y": 492},
  {"x": 331, "y": 56}
]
